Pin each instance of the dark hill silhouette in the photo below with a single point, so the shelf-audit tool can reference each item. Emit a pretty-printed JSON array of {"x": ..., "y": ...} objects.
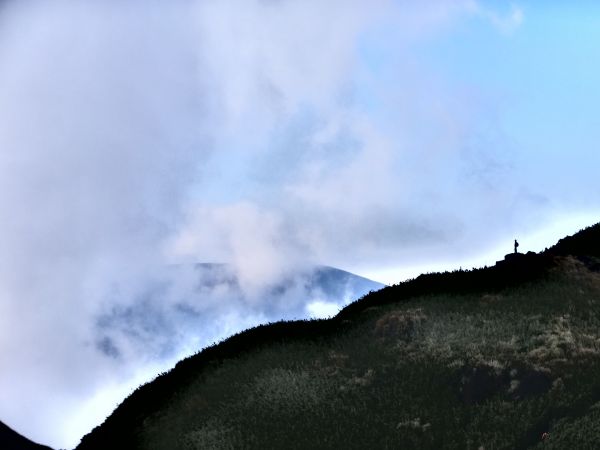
[
  {"x": 430, "y": 363},
  {"x": 585, "y": 244},
  {"x": 11, "y": 440}
]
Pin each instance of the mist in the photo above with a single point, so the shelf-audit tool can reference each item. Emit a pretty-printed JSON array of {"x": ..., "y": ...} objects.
[
  {"x": 109, "y": 115},
  {"x": 139, "y": 136}
]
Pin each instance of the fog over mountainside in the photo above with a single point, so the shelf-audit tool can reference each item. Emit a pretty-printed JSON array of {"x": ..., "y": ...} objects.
[
  {"x": 194, "y": 305},
  {"x": 182, "y": 309}
]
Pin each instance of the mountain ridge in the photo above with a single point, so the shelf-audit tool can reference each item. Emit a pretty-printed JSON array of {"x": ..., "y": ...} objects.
[{"x": 489, "y": 283}]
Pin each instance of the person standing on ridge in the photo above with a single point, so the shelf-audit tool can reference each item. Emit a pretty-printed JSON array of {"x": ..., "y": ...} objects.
[{"x": 516, "y": 245}]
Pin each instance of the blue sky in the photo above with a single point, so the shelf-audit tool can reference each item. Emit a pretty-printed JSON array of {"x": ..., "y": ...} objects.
[
  {"x": 387, "y": 138},
  {"x": 531, "y": 78},
  {"x": 543, "y": 74}
]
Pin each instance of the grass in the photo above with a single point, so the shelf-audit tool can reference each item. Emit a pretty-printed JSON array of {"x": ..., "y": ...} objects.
[{"x": 479, "y": 366}]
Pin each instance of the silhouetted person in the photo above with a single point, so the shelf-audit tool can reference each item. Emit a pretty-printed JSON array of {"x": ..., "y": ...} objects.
[{"x": 516, "y": 245}]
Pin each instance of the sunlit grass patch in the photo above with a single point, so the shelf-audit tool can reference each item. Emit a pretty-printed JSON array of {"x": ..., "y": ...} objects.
[
  {"x": 399, "y": 325},
  {"x": 211, "y": 435}
]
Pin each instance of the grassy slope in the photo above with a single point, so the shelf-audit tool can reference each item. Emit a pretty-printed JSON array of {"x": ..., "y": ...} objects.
[{"x": 489, "y": 359}]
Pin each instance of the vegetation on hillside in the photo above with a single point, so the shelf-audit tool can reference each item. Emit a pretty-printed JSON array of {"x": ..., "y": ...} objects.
[{"x": 506, "y": 357}]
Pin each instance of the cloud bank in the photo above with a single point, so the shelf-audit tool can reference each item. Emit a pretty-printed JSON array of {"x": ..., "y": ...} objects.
[
  {"x": 110, "y": 114},
  {"x": 102, "y": 129}
]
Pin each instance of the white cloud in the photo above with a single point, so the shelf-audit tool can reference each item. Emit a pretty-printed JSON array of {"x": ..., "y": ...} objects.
[
  {"x": 322, "y": 309},
  {"x": 507, "y": 22},
  {"x": 100, "y": 135},
  {"x": 255, "y": 241},
  {"x": 106, "y": 115}
]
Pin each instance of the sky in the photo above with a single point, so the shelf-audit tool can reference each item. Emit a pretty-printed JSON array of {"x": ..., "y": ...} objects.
[{"x": 388, "y": 138}]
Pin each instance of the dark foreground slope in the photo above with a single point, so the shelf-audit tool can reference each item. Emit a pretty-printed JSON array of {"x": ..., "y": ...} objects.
[
  {"x": 491, "y": 358},
  {"x": 11, "y": 440}
]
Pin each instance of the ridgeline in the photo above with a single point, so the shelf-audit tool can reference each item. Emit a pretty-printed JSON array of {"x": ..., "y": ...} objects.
[{"x": 503, "y": 357}]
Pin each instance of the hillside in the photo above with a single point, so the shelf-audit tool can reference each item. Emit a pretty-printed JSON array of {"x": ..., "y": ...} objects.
[
  {"x": 506, "y": 357},
  {"x": 11, "y": 440}
]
